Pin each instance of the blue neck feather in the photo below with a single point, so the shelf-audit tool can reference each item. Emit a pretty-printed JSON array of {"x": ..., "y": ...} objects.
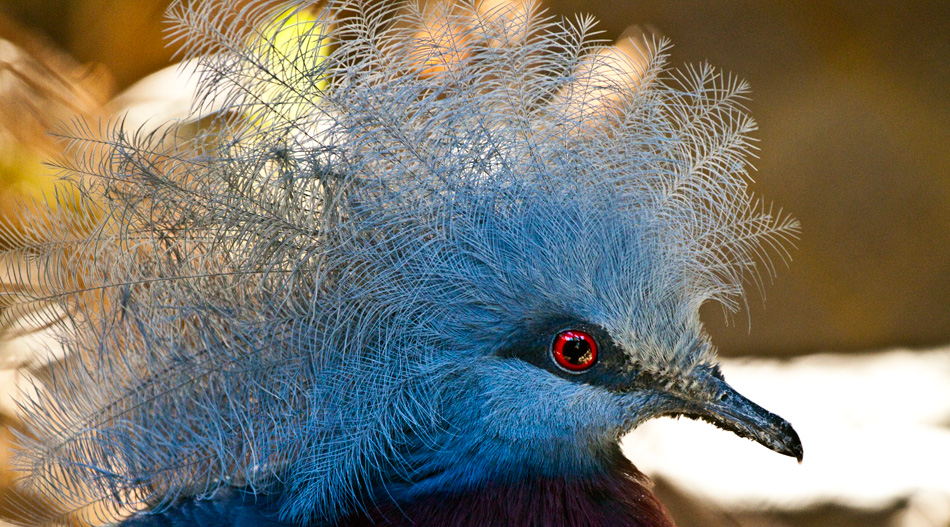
[{"x": 620, "y": 496}]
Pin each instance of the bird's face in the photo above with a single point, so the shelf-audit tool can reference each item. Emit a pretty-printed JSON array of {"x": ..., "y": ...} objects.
[
  {"x": 628, "y": 381},
  {"x": 594, "y": 339},
  {"x": 559, "y": 398}
]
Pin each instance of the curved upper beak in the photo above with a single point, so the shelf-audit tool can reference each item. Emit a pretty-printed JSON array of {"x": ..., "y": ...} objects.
[{"x": 730, "y": 410}]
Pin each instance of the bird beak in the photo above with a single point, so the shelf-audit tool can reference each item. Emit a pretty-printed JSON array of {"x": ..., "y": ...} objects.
[{"x": 726, "y": 408}]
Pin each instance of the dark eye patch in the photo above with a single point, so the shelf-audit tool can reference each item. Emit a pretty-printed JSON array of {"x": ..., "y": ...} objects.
[{"x": 607, "y": 366}]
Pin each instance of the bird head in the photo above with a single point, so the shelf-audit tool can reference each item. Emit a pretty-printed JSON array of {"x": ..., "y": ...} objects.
[{"x": 565, "y": 322}]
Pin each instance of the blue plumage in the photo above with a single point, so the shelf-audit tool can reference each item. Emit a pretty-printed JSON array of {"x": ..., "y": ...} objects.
[{"x": 344, "y": 290}]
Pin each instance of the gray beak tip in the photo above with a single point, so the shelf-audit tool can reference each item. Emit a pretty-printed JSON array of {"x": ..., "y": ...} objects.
[
  {"x": 776, "y": 433},
  {"x": 795, "y": 445}
]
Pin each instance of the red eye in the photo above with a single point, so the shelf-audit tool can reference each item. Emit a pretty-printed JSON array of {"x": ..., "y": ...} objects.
[{"x": 574, "y": 350}]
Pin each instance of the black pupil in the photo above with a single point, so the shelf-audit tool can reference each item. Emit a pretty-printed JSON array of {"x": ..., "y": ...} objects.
[{"x": 577, "y": 351}]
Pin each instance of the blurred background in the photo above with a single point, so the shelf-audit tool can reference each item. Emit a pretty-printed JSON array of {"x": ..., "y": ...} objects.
[{"x": 849, "y": 342}]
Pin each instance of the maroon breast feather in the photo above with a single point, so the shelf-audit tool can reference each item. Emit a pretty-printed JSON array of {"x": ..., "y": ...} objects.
[{"x": 621, "y": 497}]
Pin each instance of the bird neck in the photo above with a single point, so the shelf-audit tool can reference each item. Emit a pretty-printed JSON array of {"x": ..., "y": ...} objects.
[{"x": 619, "y": 497}]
